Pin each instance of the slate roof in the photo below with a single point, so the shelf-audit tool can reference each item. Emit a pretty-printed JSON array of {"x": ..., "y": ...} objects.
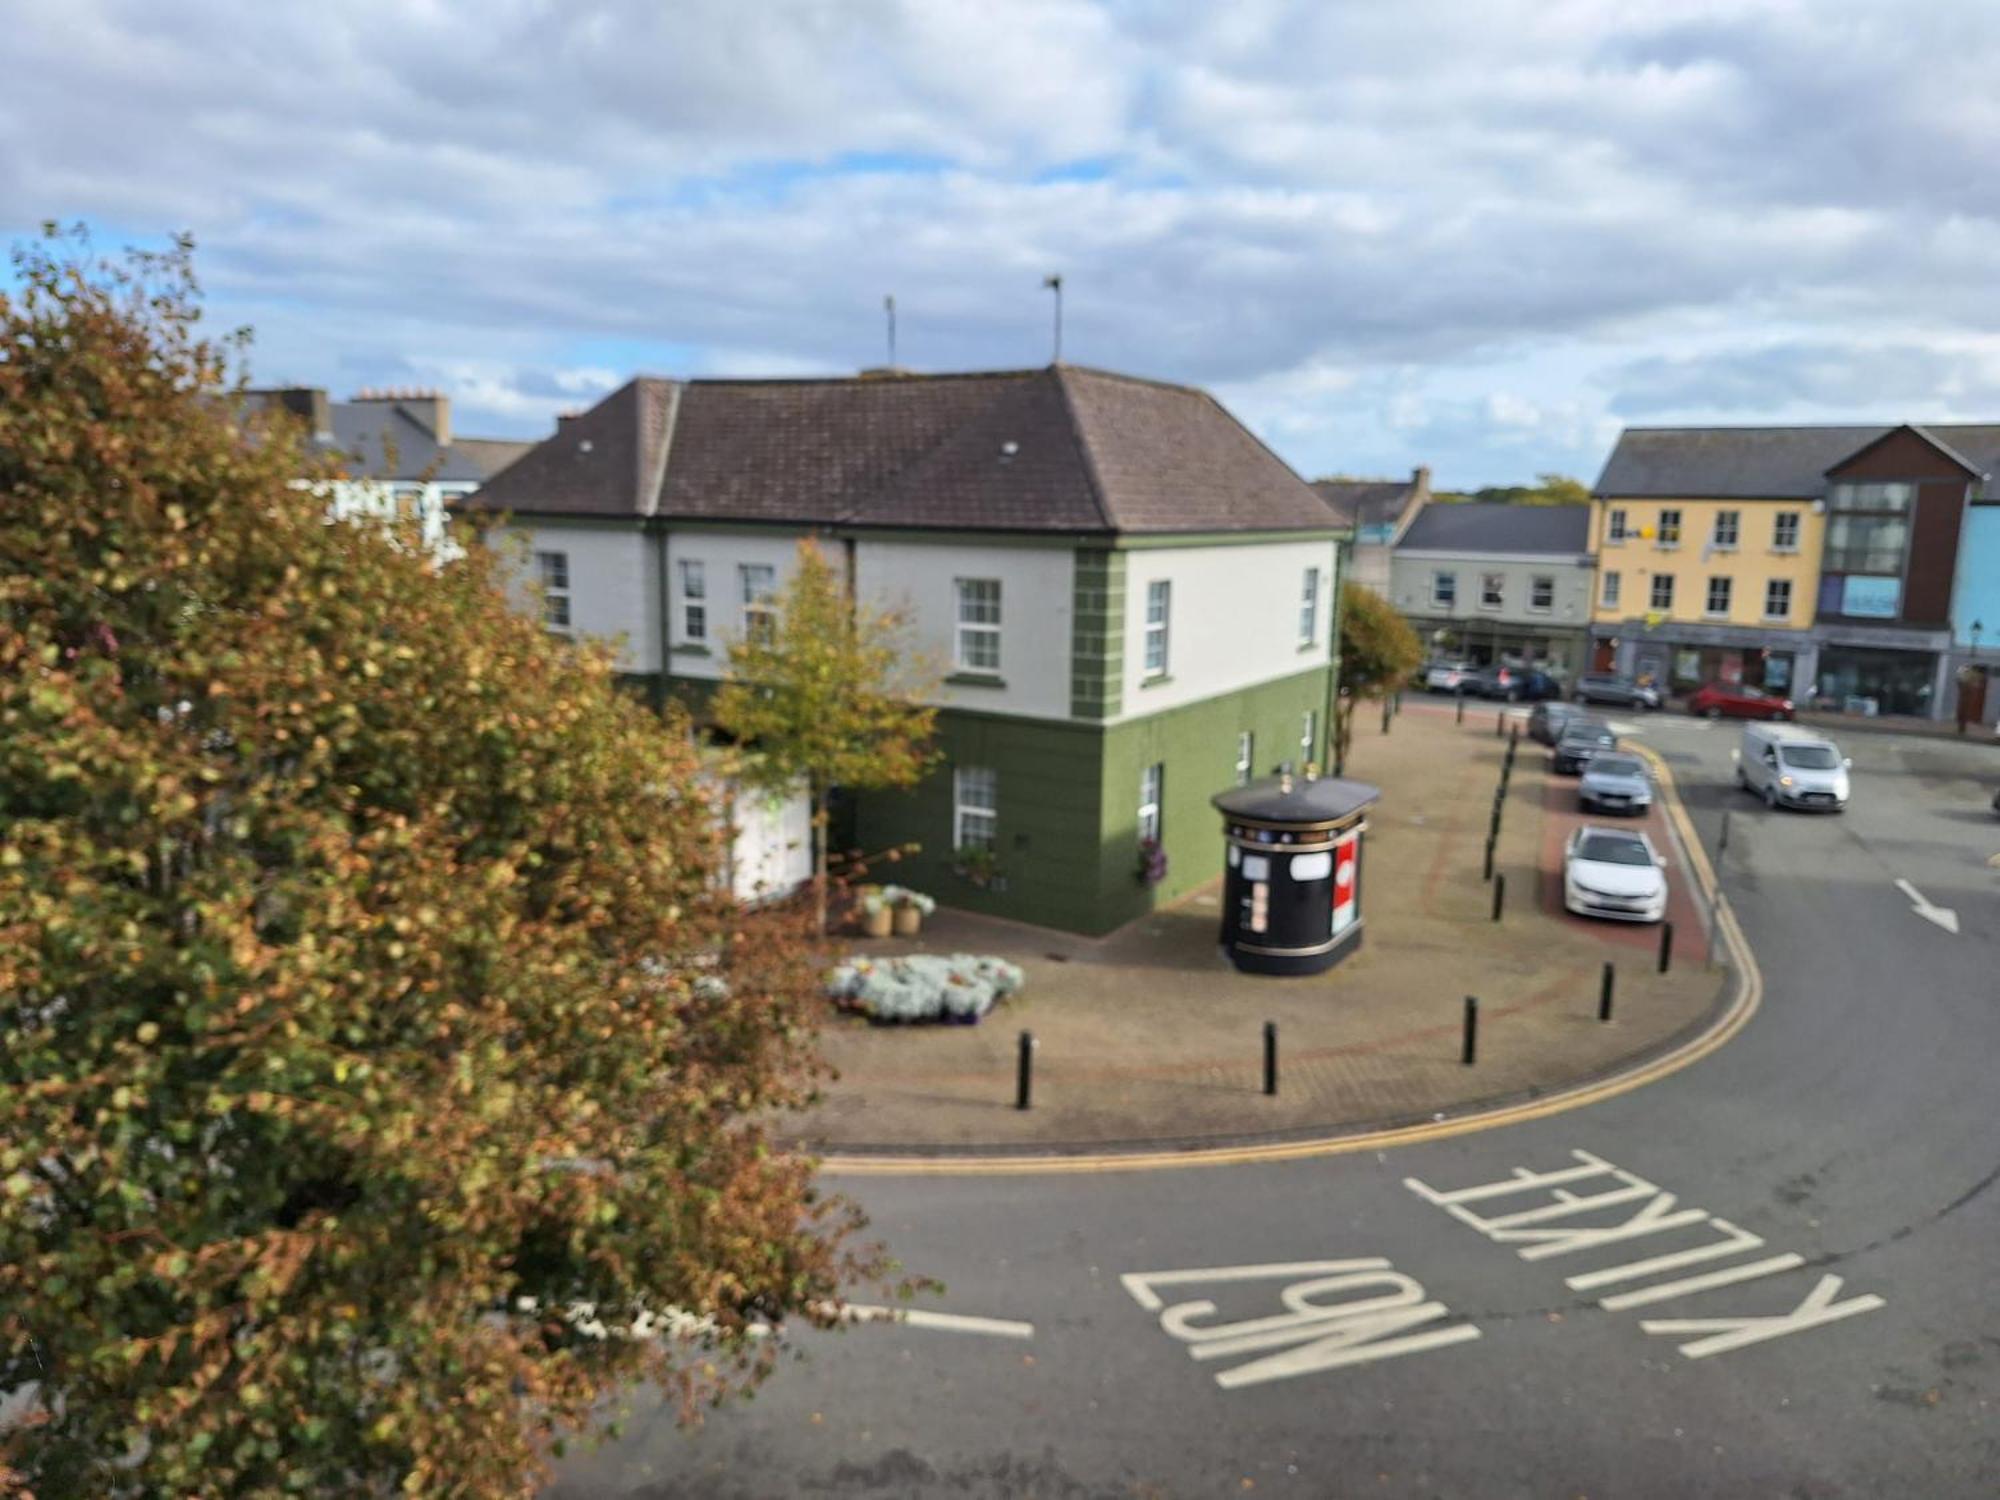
[
  {"x": 1767, "y": 462},
  {"x": 1498, "y": 528},
  {"x": 382, "y": 439},
  {"x": 1364, "y": 502},
  {"x": 1060, "y": 449}
]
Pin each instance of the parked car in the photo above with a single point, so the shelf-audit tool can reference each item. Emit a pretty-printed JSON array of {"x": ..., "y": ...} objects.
[
  {"x": 1609, "y": 687},
  {"x": 1792, "y": 767},
  {"x": 1512, "y": 684},
  {"x": 1615, "y": 783},
  {"x": 1549, "y": 719},
  {"x": 1445, "y": 676},
  {"x": 1579, "y": 743},
  {"x": 1614, "y": 872},
  {"x": 1737, "y": 700}
]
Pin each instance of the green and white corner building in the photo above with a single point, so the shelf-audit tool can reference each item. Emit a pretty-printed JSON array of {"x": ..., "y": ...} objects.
[{"x": 1135, "y": 597}]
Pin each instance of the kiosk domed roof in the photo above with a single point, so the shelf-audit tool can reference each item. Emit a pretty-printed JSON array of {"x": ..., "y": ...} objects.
[{"x": 1297, "y": 800}]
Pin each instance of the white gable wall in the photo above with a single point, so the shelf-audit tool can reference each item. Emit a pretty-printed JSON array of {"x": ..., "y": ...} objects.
[
  {"x": 613, "y": 582},
  {"x": 1234, "y": 619}
]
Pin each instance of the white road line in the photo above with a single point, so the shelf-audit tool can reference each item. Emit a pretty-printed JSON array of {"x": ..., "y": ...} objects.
[
  {"x": 1667, "y": 1290},
  {"x": 918, "y": 1317},
  {"x": 1943, "y": 916}
]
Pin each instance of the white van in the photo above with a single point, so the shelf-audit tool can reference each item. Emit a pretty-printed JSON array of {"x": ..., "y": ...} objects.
[{"x": 1792, "y": 767}]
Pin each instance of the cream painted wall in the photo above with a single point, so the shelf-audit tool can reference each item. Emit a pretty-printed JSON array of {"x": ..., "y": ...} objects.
[
  {"x": 1037, "y": 590},
  {"x": 612, "y": 583},
  {"x": 1234, "y": 620},
  {"x": 721, "y": 553}
]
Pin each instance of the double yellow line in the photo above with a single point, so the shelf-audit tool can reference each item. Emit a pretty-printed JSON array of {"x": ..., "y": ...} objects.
[{"x": 1749, "y": 992}]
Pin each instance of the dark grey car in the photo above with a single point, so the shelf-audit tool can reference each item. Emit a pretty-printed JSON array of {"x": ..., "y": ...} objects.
[
  {"x": 1578, "y": 744},
  {"x": 1609, "y": 687},
  {"x": 1548, "y": 720}
]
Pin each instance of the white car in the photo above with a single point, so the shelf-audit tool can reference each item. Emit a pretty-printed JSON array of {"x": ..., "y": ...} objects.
[
  {"x": 1614, "y": 872},
  {"x": 1446, "y": 676}
]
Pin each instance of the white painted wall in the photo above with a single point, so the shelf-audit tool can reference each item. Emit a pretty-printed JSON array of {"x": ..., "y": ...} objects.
[
  {"x": 1234, "y": 622},
  {"x": 721, "y": 553},
  {"x": 1037, "y": 605},
  {"x": 612, "y": 583}
]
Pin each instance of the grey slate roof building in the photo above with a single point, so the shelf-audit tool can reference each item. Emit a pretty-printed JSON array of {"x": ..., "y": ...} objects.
[
  {"x": 1060, "y": 449},
  {"x": 1544, "y": 530},
  {"x": 404, "y": 435},
  {"x": 1361, "y": 503},
  {"x": 1752, "y": 463}
]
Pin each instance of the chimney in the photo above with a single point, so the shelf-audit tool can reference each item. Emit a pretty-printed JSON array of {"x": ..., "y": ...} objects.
[
  {"x": 431, "y": 410},
  {"x": 1420, "y": 480},
  {"x": 304, "y": 401}
]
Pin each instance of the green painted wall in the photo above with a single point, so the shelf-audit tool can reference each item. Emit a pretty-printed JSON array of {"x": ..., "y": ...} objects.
[
  {"x": 1197, "y": 745},
  {"x": 1097, "y": 635},
  {"x": 1047, "y": 846}
]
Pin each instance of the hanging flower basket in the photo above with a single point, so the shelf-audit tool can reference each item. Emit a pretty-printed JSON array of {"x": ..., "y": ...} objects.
[{"x": 1152, "y": 861}]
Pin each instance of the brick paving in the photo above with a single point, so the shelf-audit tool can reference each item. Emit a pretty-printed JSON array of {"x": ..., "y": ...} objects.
[{"x": 1147, "y": 1035}]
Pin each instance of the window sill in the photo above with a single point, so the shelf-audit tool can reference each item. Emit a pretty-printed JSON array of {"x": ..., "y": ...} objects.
[
  {"x": 688, "y": 648},
  {"x": 1784, "y": 551},
  {"x": 1666, "y": 546},
  {"x": 1541, "y": 609},
  {"x": 1305, "y": 646},
  {"x": 1777, "y": 619},
  {"x": 1720, "y": 617},
  {"x": 1158, "y": 679},
  {"x": 1722, "y": 547},
  {"x": 976, "y": 679}
]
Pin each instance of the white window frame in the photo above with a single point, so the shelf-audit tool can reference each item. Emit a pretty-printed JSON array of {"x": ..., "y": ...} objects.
[
  {"x": 759, "y": 618},
  {"x": 1771, "y": 585},
  {"x": 1734, "y": 539},
  {"x": 553, "y": 567},
  {"x": 1308, "y": 735},
  {"x": 1160, "y": 592},
  {"x": 1615, "y": 530},
  {"x": 1653, "y": 593},
  {"x": 1783, "y": 521},
  {"x": 1728, "y": 596},
  {"x": 1447, "y": 597},
  {"x": 1539, "y": 585},
  {"x": 974, "y": 630},
  {"x": 1309, "y": 608},
  {"x": 694, "y": 598},
  {"x": 1152, "y": 783},
  {"x": 1246, "y": 756},
  {"x": 1610, "y": 589},
  {"x": 1660, "y": 528},
  {"x": 1492, "y": 590},
  {"x": 975, "y": 824}
]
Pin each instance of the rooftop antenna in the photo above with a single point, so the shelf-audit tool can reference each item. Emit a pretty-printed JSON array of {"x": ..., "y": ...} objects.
[
  {"x": 1054, "y": 284},
  {"x": 889, "y": 309}
]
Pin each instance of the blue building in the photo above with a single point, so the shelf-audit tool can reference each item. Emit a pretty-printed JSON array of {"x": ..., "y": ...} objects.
[{"x": 1975, "y": 613}]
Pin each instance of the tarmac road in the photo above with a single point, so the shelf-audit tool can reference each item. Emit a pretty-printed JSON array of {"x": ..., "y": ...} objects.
[{"x": 1428, "y": 1322}]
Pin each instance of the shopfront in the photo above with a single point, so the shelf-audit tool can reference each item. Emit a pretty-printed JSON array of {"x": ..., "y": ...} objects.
[{"x": 1872, "y": 680}]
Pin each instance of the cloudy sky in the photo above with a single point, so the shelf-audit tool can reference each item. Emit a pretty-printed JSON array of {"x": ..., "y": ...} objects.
[{"x": 1477, "y": 234}]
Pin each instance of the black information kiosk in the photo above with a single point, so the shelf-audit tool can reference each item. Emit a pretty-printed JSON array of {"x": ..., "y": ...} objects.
[{"x": 1291, "y": 898}]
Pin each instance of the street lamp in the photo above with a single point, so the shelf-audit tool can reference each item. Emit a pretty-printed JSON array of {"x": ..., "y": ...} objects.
[{"x": 1975, "y": 632}]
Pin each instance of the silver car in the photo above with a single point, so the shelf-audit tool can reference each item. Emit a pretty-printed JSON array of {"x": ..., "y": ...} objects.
[{"x": 1613, "y": 782}]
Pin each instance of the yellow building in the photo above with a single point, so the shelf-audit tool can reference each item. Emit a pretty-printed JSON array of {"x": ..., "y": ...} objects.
[{"x": 1694, "y": 589}]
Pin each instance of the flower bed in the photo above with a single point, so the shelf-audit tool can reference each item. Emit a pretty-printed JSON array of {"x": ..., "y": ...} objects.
[{"x": 923, "y": 987}]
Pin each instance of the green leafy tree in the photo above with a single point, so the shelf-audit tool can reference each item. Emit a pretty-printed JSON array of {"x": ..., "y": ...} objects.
[
  {"x": 1548, "y": 489},
  {"x": 1378, "y": 652},
  {"x": 827, "y": 694},
  {"x": 377, "y": 1040}
]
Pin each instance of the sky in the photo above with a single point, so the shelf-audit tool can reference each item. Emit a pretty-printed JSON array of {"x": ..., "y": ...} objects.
[{"x": 1478, "y": 235}]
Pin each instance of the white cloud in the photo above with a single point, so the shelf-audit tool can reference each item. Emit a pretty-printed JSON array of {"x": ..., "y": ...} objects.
[{"x": 1469, "y": 232}]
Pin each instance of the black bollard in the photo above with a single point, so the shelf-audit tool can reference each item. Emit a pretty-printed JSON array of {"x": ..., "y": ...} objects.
[
  {"x": 1024, "y": 1083},
  {"x": 1388, "y": 707},
  {"x": 1487, "y": 874},
  {"x": 1604, "y": 992},
  {"x": 1723, "y": 842},
  {"x": 1499, "y": 894},
  {"x": 1666, "y": 945},
  {"x": 1500, "y": 724},
  {"x": 1270, "y": 1057},
  {"x": 1461, "y": 705},
  {"x": 1471, "y": 1049}
]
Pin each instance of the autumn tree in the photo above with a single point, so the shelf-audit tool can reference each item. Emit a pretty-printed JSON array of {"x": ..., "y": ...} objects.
[
  {"x": 380, "y": 1052},
  {"x": 827, "y": 692},
  {"x": 1378, "y": 652}
]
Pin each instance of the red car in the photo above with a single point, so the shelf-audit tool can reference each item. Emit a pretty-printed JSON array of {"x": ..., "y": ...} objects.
[{"x": 1737, "y": 700}]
